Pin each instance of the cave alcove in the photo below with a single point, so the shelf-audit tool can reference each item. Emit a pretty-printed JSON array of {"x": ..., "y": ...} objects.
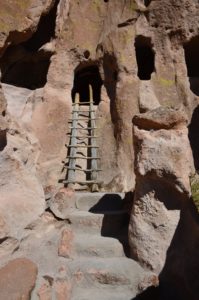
[
  {"x": 145, "y": 57},
  {"x": 84, "y": 77},
  {"x": 3, "y": 139},
  {"x": 191, "y": 49},
  {"x": 194, "y": 136},
  {"x": 147, "y": 2},
  {"x": 26, "y": 65}
]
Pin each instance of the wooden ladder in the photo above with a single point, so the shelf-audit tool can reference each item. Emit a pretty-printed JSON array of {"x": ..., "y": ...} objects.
[{"x": 76, "y": 144}]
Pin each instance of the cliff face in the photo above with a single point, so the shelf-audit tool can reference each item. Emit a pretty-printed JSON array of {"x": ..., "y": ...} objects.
[
  {"x": 142, "y": 55},
  {"x": 139, "y": 49}
]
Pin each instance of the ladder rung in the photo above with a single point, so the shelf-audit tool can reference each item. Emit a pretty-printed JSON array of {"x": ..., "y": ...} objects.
[
  {"x": 81, "y": 119},
  {"x": 81, "y": 146},
  {"x": 83, "y": 157},
  {"x": 83, "y": 111},
  {"x": 83, "y": 103},
  {"x": 83, "y": 170},
  {"x": 88, "y": 128},
  {"x": 83, "y": 136},
  {"x": 82, "y": 182}
]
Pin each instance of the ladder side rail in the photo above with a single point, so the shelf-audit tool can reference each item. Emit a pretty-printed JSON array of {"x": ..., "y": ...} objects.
[
  {"x": 94, "y": 167},
  {"x": 73, "y": 142}
]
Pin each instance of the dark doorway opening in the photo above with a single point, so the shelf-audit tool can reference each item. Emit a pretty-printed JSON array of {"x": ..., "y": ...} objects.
[
  {"x": 145, "y": 57},
  {"x": 26, "y": 65},
  {"x": 147, "y": 2},
  {"x": 194, "y": 136},
  {"x": 83, "y": 78},
  {"x": 23, "y": 69},
  {"x": 191, "y": 49},
  {"x": 45, "y": 30},
  {"x": 3, "y": 139}
]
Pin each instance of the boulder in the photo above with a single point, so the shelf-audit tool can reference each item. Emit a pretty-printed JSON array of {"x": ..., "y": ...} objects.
[
  {"x": 22, "y": 197},
  {"x": 163, "y": 165},
  {"x": 17, "y": 279}
]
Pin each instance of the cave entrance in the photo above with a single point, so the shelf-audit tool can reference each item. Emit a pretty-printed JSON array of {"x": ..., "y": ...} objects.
[
  {"x": 147, "y": 2},
  {"x": 83, "y": 78},
  {"x": 194, "y": 136},
  {"x": 191, "y": 49},
  {"x": 145, "y": 57},
  {"x": 26, "y": 65}
]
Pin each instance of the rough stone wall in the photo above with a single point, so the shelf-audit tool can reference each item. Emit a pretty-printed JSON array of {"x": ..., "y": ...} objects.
[
  {"x": 34, "y": 122},
  {"x": 111, "y": 28},
  {"x": 163, "y": 229},
  {"x": 107, "y": 31}
]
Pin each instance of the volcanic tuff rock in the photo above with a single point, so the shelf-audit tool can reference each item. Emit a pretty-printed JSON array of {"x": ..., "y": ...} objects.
[
  {"x": 17, "y": 279},
  {"x": 163, "y": 166},
  {"x": 46, "y": 47},
  {"x": 163, "y": 230}
]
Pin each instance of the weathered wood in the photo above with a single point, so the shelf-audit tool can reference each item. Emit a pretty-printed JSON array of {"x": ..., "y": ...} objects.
[
  {"x": 82, "y": 103},
  {"x": 82, "y": 182},
  {"x": 83, "y": 157},
  {"x": 73, "y": 141},
  {"x": 87, "y": 128},
  {"x": 81, "y": 146},
  {"x": 76, "y": 143},
  {"x": 94, "y": 187},
  {"x": 83, "y": 170},
  {"x": 85, "y": 136}
]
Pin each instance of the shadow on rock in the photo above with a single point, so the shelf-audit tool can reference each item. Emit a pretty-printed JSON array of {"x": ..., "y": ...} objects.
[{"x": 116, "y": 217}]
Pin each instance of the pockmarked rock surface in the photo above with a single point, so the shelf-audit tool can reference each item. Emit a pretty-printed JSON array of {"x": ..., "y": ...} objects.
[
  {"x": 17, "y": 279},
  {"x": 22, "y": 197},
  {"x": 163, "y": 165},
  {"x": 47, "y": 50}
]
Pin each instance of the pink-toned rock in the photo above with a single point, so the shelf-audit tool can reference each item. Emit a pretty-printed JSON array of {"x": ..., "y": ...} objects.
[
  {"x": 45, "y": 291},
  {"x": 3, "y": 228},
  {"x": 160, "y": 118},
  {"x": 22, "y": 197},
  {"x": 65, "y": 247},
  {"x": 150, "y": 280},
  {"x": 163, "y": 165},
  {"x": 63, "y": 202},
  {"x": 17, "y": 279},
  {"x": 62, "y": 289}
]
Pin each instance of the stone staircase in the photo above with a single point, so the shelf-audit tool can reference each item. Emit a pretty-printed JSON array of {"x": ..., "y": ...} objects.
[
  {"x": 100, "y": 268},
  {"x": 84, "y": 256}
]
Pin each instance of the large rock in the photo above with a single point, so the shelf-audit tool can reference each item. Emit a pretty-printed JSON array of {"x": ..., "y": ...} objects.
[
  {"x": 163, "y": 165},
  {"x": 179, "y": 279},
  {"x": 19, "y": 19},
  {"x": 17, "y": 279},
  {"x": 22, "y": 197}
]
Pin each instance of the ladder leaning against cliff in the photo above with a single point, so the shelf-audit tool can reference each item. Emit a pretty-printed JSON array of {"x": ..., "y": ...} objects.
[{"x": 75, "y": 144}]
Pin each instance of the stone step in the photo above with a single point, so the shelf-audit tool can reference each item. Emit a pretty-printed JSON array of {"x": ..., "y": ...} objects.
[
  {"x": 104, "y": 272},
  {"x": 87, "y": 245},
  {"x": 110, "y": 224},
  {"x": 100, "y": 202},
  {"x": 103, "y": 293}
]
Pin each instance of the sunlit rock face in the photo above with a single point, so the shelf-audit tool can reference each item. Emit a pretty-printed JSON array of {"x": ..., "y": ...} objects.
[
  {"x": 141, "y": 58},
  {"x": 141, "y": 49},
  {"x": 163, "y": 218}
]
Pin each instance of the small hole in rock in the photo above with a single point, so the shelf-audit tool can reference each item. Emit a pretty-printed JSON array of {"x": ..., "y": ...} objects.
[
  {"x": 3, "y": 113},
  {"x": 192, "y": 61},
  {"x": 3, "y": 139},
  {"x": 147, "y": 2},
  {"x": 86, "y": 54}
]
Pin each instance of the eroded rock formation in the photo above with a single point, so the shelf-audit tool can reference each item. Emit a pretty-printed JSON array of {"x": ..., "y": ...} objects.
[
  {"x": 163, "y": 213},
  {"x": 142, "y": 57}
]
